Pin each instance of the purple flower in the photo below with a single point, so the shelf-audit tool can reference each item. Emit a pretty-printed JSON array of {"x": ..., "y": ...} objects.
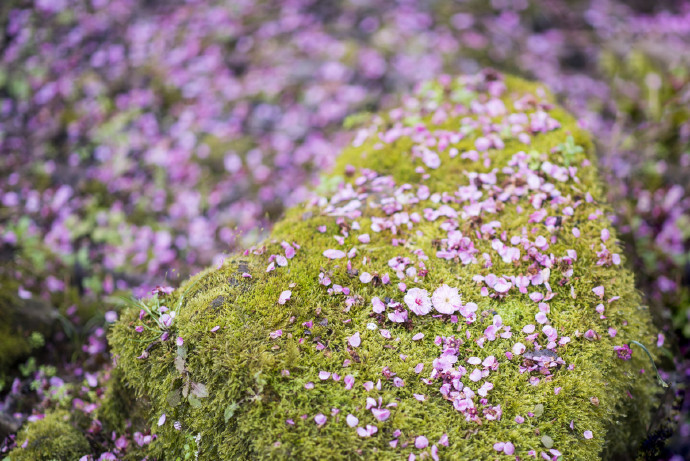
[{"x": 624, "y": 352}]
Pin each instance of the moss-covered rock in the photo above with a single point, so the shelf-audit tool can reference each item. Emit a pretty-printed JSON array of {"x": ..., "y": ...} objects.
[
  {"x": 51, "y": 438},
  {"x": 458, "y": 291}
]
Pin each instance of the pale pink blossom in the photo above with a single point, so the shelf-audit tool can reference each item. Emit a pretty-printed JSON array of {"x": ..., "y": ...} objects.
[
  {"x": 418, "y": 301},
  {"x": 446, "y": 300}
]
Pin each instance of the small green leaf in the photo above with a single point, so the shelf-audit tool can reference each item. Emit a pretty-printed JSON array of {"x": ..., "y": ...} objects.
[
  {"x": 538, "y": 410},
  {"x": 547, "y": 441},
  {"x": 199, "y": 390},
  {"x": 180, "y": 364},
  {"x": 230, "y": 411},
  {"x": 193, "y": 401},
  {"x": 174, "y": 398}
]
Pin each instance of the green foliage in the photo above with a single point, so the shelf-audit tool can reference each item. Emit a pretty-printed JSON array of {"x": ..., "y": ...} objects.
[{"x": 236, "y": 373}]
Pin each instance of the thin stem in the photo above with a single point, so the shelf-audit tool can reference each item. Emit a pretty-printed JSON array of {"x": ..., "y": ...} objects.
[{"x": 662, "y": 383}]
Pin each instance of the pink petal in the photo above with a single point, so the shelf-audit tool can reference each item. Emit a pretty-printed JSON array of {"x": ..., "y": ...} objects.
[
  {"x": 284, "y": 296},
  {"x": 320, "y": 419},
  {"x": 421, "y": 442},
  {"x": 381, "y": 414},
  {"x": 352, "y": 420},
  {"x": 334, "y": 254},
  {"x": 365, "y": 277}
]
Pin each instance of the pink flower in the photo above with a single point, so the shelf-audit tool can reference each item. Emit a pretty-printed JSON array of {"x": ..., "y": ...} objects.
[
  {"x": 281, "y": 260},
  {"x": 418, "y": 369},
  {"x": 161, "y": 420},
  {"x": 364, "y": 238},
  {"x": 324, "y": 375},
  {"x": 349, "y": 382},
  {"x": 588, "y": 435},
  {"x": 365, "y": 277},
  {"x": 166, "y": 320},
  {"x": 276, "y": 334},
  {"x": 354, "y": 340},
  {"x": 418, "y": 336},
  {"x": 446, "y": 300},
  {"x": 284, "y": 296},
  {"x": 334, "y": 254},
  {"x": 476, "y": 375},
  {"x": 599, "y": 291},
  {"x": 421, "y": 442},
  {"x": 418, "y": 301},
  {"x": 509, "y": 448},
  {"x": 624, "y": 352}
]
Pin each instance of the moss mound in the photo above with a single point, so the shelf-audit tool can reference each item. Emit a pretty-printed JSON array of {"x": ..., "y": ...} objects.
[
  {"x": 51, "y": 438},
  {"x": 456, "y": 292}
]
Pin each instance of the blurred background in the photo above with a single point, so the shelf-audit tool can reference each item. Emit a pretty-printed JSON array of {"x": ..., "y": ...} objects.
[{"x": 141, "y": 141}]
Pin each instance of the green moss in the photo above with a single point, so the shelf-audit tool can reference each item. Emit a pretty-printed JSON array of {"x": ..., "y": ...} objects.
[
  {"x": 51, "y": 438},
  {"x": 228, "y": 387}
]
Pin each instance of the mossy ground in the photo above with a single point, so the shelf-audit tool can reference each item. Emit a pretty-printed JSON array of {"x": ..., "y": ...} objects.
[
  {"x": 226, "y": 387},
  {"x": 51, "y": 438}
]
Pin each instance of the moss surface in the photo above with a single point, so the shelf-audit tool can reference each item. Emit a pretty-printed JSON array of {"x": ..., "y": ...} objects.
[
  {"x": 51, "y": 438},
  {"x": 259, "y": 379}
]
